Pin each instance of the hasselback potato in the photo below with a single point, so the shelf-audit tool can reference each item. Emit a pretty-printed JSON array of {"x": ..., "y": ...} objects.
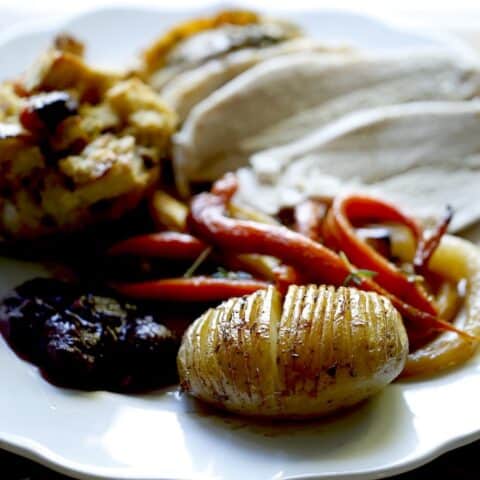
[{"x": 316, "y": 351}]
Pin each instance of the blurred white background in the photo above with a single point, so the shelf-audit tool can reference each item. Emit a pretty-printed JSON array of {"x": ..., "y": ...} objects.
[
  {"x": 451, "y": 13},
  {"x": 460, "y": 17}
]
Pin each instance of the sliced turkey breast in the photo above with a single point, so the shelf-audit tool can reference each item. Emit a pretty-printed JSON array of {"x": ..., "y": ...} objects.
[
  {"x": 285, "y": 98},
  {"x": 194, "y": 85},
  {"x": 422, "y": 155}
]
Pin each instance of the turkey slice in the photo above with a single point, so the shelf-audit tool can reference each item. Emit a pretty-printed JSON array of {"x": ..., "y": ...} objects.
[
  {"x": 285, "y": 98},
  {"x": 423, "y": 156},
  {"x": 188, "y": 88}
]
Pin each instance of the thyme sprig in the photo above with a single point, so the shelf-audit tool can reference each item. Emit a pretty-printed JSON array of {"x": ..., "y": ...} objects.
[
  {"x": 198, "y": 261},
  {"x": 356, "y": 275}
]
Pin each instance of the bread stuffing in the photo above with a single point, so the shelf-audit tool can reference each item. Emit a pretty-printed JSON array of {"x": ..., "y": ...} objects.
[{"x": 78, "y": 145}]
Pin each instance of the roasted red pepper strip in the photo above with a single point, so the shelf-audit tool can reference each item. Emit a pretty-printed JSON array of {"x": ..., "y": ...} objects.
[
  {"x": 338, "y": 229},
  {"x": 208, "y": 220},
  {"x": 194, "y": 289},
  {"x": 427, "y": 245},
  {"x": 165, "y": 244}
]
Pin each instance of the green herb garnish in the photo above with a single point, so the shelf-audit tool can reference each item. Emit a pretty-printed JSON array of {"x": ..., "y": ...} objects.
[
  {"x": 198, "y": 261},
  {"x": 222, "y": 273},
  {"x": 356, "y": 275},
  {"x": 229, "y": 275}
]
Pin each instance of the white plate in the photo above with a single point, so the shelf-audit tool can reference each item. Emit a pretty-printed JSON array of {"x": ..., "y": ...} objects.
[{"x": 164, "y": 436}]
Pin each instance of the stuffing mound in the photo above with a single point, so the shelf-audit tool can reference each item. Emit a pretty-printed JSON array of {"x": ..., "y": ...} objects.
[{"x": 78, "y": 145}]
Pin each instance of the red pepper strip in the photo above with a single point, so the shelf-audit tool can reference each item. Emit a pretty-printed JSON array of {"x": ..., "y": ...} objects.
[
  {"x": 194, "y": 289},
  {"x": 165, "y": 244},
  {"x": 427, "y": 245},
  {"x": 355, "y": 209},
  {"x": 208, "y": 220}
]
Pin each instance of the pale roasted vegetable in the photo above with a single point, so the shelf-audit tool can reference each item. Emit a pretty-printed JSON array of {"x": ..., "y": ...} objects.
[
  {"x": 168, "y": 212},
  {"x": 322, "y": 350},
  {"x": 455, "y": 259}
]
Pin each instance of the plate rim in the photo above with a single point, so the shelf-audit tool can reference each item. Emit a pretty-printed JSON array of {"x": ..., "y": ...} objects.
[
  {"x": 45, "y": 25},
  {"x": 33, "y": 450},
  {"x": 22, "y": 446}
]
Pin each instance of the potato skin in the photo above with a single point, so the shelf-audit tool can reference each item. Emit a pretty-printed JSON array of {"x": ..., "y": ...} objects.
[{"x": 324, "y": 349}]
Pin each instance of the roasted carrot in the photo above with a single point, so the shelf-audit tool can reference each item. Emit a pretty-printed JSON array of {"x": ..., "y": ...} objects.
[
  {"x": 194, "y": 289},
  {"x": 208, "y": 220},
  {"x": 349, "y": 210},
  {"x": 164, "y": 244}
]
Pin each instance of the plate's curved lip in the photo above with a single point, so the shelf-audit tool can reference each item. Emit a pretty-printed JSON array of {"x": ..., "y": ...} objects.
[
  {"x": 400, "y": 467},
  {"x": 29, "y": 27},
  {"x": 32, "y": 26},
  {"x": 34, "y": 450}
]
